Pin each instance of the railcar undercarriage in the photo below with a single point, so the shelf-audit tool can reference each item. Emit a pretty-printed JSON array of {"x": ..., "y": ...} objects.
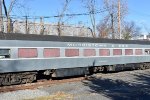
[
  {"x": 17, "y": 78},
  {"x": 29, "y": 77}
]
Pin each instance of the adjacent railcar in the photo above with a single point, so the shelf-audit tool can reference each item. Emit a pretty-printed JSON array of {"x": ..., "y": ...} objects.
[{"x": 24, "y": 57}]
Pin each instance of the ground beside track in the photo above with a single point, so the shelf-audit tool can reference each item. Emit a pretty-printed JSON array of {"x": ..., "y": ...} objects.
[{"x": 126, "y": 85}]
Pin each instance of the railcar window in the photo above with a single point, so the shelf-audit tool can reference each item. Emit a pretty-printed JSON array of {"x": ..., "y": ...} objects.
[
  {"x": 128, "y": 51},
  {"x": 27, "y": 53},
  {"x": 138, "y": 52},
  {"x": 147, "y": 51},
  {"x": 117, "y": 52},
  {"x": 104, "y": 52},
  {"x": 51, "y": 52},
  {"x": 89, "y": 52},
  {"x": 4, "y": 53},
  {"x": 71, "y": 52}
]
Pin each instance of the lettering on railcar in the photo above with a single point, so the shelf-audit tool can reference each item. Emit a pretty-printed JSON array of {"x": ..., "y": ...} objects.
[
  {"x": 123, "y": 46},
  {"x": 97, "y": 45},
  {"x": 86, "y": 45}
]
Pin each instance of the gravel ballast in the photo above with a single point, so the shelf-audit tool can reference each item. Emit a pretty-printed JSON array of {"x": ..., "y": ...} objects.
[{"x": 113, "y": 86}]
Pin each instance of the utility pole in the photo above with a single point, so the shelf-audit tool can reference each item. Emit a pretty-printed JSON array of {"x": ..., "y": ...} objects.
[
  {"x": 1, "y": 17},
  {"x": 8, "y": 18},
  {"x": 26, "y": 25},
  {"x": 119, "y": 20},
  {"x": 112, "y": 25},
  {"x": 42, "y": 25}
]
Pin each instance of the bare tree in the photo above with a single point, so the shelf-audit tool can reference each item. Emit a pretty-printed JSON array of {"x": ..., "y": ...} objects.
[
  {"x": 12, "y": 4},
  {"x": 103, "y": 28},
  {"x": 146, "y": 28},
  {"x": 7, "y": 13},
  {"x": 17, "y": 7},
  {"x": 10, "y": 7},
  {"x": 1, "y": 18},
  {"x": 25, "y": 10},
  {"x": 112, "y": 11},
  {"x": 61, "y": 16},
  {"x": 91, "y": 7},
  {"x": 110, "y": 6},
  {"x": 130, "y": 30}
]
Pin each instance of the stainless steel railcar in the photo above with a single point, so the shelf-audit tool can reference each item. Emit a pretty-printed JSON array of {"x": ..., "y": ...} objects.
[{"x": 24, "y": 57}]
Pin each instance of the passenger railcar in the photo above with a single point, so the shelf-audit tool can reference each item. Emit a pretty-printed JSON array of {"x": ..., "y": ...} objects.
[{"x": 24, "y": 57}]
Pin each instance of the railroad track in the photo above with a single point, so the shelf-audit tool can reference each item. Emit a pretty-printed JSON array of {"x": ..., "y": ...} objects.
[
  {"x": 45, "y": 83},
  {"x": 39, "y": 83}
]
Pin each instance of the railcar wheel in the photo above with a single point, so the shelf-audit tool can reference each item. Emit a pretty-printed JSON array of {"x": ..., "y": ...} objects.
[
  {"x": 17, "y": 78},
  {"x": 31, "y": 78},
  {"x": 147, "y": 65},
  {"x": 6, "y": 80},
  {"x": 110, "y": 68},
  {"x": 10, "y": 79},
  {"x": 1, "y": 79},
  {"x": 142, "y": 67},
  {"x": 28, "y": 77}
]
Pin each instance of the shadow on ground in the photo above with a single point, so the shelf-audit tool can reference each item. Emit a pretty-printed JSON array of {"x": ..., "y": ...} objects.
[{"x": 138, "y": 89}]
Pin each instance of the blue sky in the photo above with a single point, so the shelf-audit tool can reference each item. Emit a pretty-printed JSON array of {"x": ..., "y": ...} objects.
[{"x": 138, "y": 11}]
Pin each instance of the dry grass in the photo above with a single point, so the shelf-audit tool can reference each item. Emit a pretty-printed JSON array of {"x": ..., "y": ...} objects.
[{"x": 56, "y": 96}]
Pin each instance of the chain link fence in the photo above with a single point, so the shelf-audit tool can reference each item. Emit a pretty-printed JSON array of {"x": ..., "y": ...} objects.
[{"x": 29, "y": 27}]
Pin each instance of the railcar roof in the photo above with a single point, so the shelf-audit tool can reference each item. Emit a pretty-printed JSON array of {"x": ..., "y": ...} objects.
[{"x": 34, "y": 37}]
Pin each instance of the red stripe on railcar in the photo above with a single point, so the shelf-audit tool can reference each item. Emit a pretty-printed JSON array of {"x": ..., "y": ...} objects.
[
  {"x": 89, "y": 52},
  {"x": 71, "y": 52},
  {"x": 51, "y": 52},
  {"x": 128, "y": 51},
  {"x": 27, "y": 53},
  {"x": 104, "y": 52},
  {"x": 117, "y": 52},
  {"x": 138, "y": 52}
]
